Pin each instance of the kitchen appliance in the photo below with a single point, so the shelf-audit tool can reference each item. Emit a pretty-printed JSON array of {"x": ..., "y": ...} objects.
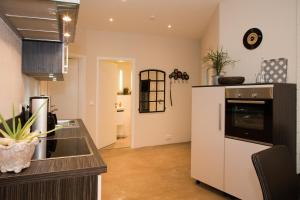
[
  {"x": 249, "y": 114},
  {"x": 41, "y": 123},
  {"x": 40, "y": 151},
  {"x": 52, "y": 119}
]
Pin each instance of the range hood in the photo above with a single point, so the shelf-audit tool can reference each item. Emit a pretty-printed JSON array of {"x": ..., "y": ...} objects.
[{"x": 44, "y": 20}]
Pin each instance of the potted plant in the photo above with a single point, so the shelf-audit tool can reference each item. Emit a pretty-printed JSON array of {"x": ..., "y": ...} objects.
[
  {"x": 218, "y": 60},
  {"x": 18, "y": 143}
]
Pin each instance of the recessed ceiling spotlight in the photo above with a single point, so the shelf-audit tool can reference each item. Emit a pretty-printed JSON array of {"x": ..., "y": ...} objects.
[
  {"x": 152, "y": 17},
  {"x": 124, "y": 0},
  {"x": 66, "y": 18},
  {"x": 67, "y": 34},
  {"x": 169, "y": 26},
  {"x": 111, "y": 19}
]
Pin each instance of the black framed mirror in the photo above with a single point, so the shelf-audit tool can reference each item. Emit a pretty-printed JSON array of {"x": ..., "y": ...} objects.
[{"x": 152, "y": 91}]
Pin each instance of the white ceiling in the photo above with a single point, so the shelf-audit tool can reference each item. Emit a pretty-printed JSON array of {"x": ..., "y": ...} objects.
[{"x": 188, "y": 18}]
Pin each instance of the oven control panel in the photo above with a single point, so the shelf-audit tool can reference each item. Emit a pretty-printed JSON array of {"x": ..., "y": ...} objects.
[{"x": 249, "y": 93}]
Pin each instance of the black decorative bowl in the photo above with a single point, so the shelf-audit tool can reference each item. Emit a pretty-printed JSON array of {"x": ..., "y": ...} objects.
[{"x": 232, "y": 80}]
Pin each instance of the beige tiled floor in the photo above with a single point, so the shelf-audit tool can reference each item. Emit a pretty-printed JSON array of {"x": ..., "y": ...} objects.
[
  {"x": 152, "y": 173},
  {"x": 120, "y": 143}
]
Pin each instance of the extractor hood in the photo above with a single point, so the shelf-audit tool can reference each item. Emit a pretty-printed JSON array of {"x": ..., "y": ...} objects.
[{"x": 44, "y": 20}]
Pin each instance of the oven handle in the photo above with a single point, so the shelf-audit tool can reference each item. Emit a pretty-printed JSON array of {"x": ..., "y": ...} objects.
[{"x": 246, "y": 102}]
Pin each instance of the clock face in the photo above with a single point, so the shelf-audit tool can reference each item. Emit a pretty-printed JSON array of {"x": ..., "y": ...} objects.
[{"x": 252, "y": 38}]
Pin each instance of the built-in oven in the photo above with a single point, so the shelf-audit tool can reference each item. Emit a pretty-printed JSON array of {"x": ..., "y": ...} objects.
[{"x": 249, "y": 114}]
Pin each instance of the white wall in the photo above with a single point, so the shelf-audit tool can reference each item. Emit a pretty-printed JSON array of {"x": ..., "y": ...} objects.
[
  {"x": 149, "y": 52},
  {"x": 61, "y": 92},
  {"x": 73, "y": 87},
  {"x": 16, "y": 88},
  {"x": 275, "y": 18},
  {"x": 210, "y": 41}
]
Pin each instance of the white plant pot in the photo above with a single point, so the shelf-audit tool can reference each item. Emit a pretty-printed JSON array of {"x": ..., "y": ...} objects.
[
  {"x": 15, "y": 156},
  {"x": 210, "y": 73},
  {"x": 216, "y": 79}
]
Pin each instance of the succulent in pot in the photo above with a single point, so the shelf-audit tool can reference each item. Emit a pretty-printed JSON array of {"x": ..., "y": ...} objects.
[{"x": 18, "y": 143}]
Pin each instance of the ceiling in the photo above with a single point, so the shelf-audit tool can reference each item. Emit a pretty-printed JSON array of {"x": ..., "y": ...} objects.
[{"x": 188, "y": 18}]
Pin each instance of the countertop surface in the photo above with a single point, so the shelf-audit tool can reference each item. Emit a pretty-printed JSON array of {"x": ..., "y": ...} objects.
[
  {"x": 245, "y": 84},
  {"x": 91, "y": 164}
]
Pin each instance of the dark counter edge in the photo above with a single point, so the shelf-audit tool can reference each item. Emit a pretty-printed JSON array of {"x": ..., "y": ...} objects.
[
  {"x": 246, "y": 84},
  {"x": 11, "y": 178},
  {"x": 103, "y": 166}
]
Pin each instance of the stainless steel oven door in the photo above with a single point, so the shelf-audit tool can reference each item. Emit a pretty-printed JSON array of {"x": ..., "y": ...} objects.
[{"x": 249, "y": 119}]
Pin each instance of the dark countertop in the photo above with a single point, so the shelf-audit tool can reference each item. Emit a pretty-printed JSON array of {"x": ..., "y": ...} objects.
[
  {"x": 245, "y": 84},
  {"x": 55, "y": 168}
]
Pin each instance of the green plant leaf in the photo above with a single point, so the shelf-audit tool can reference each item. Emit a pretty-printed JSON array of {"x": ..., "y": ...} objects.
[
  {"x": 6, "y": 127},
  {"x": 218, "y": 59},
  {"x": 14, "y": 121},
  {"x": 27, "y": 126},
  {"x": 30, "y": 136},
  {"x": 4, "y": 134},
  {"x": 18, "y": 131},
  {"x": 45, "y": 133},
  {"x": 32, "y": 119}
]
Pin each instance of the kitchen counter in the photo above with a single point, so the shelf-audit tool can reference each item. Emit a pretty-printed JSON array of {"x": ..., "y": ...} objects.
[
  {"x": 245, "y": 84},
  {"x": 82, "y": 169}
]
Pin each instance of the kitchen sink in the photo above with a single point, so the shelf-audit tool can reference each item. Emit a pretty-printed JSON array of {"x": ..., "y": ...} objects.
[{"x": 68, "y": 123}]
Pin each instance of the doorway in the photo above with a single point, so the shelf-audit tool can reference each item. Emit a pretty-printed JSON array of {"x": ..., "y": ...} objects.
[
  {"x": 114, "y": 103},
  {"x": 68, "y": 91}
]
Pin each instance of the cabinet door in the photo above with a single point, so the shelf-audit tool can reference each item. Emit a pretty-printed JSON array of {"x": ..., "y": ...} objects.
[
  {"x": 208, "y": 135},
  {"x": 41, "y": 57},
  {"x": 240, "y": 177}
]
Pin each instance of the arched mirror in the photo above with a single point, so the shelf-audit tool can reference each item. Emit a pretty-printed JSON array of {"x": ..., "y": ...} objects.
[{"x": 152, "y": 91}]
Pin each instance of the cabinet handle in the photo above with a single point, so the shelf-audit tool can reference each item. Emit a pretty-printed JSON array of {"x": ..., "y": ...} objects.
[{"x": 220, "y": 117}]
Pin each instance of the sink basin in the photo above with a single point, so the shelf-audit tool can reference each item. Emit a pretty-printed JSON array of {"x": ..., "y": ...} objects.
[{"x": 68, "y": 123}]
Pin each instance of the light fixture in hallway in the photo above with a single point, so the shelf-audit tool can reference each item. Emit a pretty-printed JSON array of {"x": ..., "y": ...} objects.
[{"x": 121, "y": 80}]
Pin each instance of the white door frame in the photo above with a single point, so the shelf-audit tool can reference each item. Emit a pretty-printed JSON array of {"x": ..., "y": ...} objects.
[{"x": 133, "y": 102}]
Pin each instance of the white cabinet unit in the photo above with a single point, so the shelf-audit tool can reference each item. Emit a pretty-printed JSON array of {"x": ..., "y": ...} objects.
[
  {"x": 225, "y": 163},
  {"x": 99, "y": 194},
  {"x": 207, "y": 163},
  {"x": 240, "y": 177}
]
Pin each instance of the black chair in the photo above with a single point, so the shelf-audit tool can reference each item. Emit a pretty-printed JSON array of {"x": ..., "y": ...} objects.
[{"x": 276, "y": 173}]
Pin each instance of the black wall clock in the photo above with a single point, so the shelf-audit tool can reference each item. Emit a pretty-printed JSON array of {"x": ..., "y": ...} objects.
[{"x": 252, "y": 38}]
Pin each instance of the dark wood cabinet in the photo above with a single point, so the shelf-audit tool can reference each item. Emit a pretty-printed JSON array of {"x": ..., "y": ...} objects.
[
  {"x": 66, "y": 178},
  {"x": 69, "y": 188},
  {"x": 42, "y": 59}
]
